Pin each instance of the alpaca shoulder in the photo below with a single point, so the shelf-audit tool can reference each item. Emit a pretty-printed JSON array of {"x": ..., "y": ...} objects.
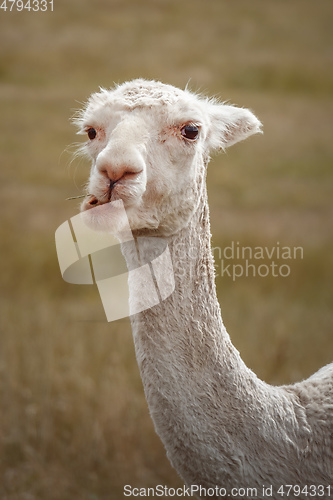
[{"x": 315, "y": 396}]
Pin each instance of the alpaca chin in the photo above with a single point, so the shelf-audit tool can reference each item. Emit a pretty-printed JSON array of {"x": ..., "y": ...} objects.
[{"x": 109, "y": 218}]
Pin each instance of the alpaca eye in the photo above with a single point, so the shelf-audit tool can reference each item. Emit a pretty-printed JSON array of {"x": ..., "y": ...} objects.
[
  {"x": 190, "y": 132},
  {"x": 91, "y": 133}
]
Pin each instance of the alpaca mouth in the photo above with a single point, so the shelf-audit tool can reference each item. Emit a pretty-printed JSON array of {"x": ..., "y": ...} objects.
[{"x": 92, "y": 201}]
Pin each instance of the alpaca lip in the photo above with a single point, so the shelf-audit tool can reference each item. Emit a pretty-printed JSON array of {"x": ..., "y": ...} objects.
[{"x": 92, "y": 201}]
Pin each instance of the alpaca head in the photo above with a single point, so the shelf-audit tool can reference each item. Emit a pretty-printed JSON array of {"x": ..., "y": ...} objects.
[{"x": 149, "y": 144}]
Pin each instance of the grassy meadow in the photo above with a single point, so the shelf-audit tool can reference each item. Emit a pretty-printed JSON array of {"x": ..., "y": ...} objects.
[{"x": 74, "y": 424}]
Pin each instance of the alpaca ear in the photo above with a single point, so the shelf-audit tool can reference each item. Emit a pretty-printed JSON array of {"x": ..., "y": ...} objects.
[{"x": 229, "y": 125}]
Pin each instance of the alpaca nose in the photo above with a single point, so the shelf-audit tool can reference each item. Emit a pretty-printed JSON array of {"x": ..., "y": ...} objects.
[
  {"x": 115, "y": 165},
  {"x": 113, "y": 174}
]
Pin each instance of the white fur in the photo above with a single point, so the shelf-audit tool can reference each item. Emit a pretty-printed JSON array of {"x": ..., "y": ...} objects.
[{"x": 220, "y": 424}]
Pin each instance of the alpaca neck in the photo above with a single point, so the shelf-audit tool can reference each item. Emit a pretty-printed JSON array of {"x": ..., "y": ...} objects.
[
  {"x": 203, "y": 399},
  {"x": 187, "y": 327}
]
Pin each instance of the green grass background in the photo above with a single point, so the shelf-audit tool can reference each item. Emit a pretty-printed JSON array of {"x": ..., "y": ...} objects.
[{"x": 73, "y": 420}]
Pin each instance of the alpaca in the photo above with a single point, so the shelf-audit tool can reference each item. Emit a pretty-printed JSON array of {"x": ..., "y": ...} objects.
[{"x": 222, "y": 426}]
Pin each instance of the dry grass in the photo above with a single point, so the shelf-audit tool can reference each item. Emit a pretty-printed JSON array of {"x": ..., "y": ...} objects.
[{"x": 73, "y": 421}]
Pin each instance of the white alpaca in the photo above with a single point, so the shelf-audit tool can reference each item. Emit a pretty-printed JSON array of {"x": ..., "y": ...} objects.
[{"x": 220, "y": 424}]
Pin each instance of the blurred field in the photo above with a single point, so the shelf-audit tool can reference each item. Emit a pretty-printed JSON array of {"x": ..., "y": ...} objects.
[{"x": 73, "y": 420}]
